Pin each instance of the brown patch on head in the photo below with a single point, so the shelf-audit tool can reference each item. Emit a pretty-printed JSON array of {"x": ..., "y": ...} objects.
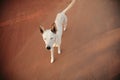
[{"x": 53, "y": 29}]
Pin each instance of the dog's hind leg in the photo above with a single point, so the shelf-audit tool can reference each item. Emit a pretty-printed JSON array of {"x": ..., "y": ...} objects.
[
  {"x": 65, "y": 23},
  {"x": 52, "y": 55}
]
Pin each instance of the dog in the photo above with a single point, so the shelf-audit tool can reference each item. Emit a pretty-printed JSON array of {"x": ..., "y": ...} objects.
[{"x": 52, "y": 37}]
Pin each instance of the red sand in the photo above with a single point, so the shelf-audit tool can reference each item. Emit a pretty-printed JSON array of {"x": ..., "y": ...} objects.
[{"x": 90, "y": 46}]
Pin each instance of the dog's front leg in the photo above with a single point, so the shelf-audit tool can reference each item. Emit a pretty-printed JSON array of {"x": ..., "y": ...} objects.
[
  {"x": 52, "y": 55},
  {"x": 59, "y": 49},
  {"x": 59, "y": 46}
]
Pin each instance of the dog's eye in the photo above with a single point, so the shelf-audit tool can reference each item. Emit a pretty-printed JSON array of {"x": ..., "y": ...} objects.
[{"x": 51, "y": 38}]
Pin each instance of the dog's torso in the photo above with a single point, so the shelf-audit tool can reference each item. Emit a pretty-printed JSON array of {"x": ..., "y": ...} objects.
[{"x": 59, "y": 21}]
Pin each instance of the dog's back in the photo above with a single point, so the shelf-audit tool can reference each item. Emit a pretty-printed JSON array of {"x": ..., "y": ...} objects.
[
  {"x": 59, "y": 21},
  {"x": 61, "y": 18}
]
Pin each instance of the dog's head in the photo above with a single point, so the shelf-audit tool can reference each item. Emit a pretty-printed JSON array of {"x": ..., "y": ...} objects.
[{"x": 49, "y": 36}]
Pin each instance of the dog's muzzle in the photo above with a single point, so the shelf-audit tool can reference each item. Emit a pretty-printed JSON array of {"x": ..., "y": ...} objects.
[{"x": 48, "y": 47}]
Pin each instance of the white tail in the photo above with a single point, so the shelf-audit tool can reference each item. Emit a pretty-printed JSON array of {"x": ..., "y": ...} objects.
[{"x": 69, "y": 6}]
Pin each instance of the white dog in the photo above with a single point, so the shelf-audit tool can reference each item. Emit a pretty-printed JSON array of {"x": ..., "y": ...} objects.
[{"x": 52, "y": 37}]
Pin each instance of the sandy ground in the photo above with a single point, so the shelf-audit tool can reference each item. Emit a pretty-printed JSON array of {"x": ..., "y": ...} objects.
[{"x": 90, "y": 46}]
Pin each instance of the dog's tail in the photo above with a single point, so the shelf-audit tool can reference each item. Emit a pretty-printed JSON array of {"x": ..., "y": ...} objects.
[{"x": 69, "y": 6}]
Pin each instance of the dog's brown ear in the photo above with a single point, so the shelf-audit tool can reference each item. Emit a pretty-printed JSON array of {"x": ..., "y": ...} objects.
[
  {"x": 53, "y": 29},
  {"x": 41, "y": 29}
]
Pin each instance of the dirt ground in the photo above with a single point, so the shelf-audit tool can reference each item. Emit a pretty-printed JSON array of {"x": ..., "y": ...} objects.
[{"x": 90, "y": 46}]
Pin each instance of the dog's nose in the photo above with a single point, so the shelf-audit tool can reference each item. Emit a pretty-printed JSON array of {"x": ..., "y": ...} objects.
[{"x": 48, "y": 47}]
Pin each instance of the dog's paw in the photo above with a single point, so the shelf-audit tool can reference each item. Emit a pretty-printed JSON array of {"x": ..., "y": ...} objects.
[
  {"x": 52, "y": 60},
  {"x": 59, "y": 51},
  {"x": 64, "y": 29}
]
